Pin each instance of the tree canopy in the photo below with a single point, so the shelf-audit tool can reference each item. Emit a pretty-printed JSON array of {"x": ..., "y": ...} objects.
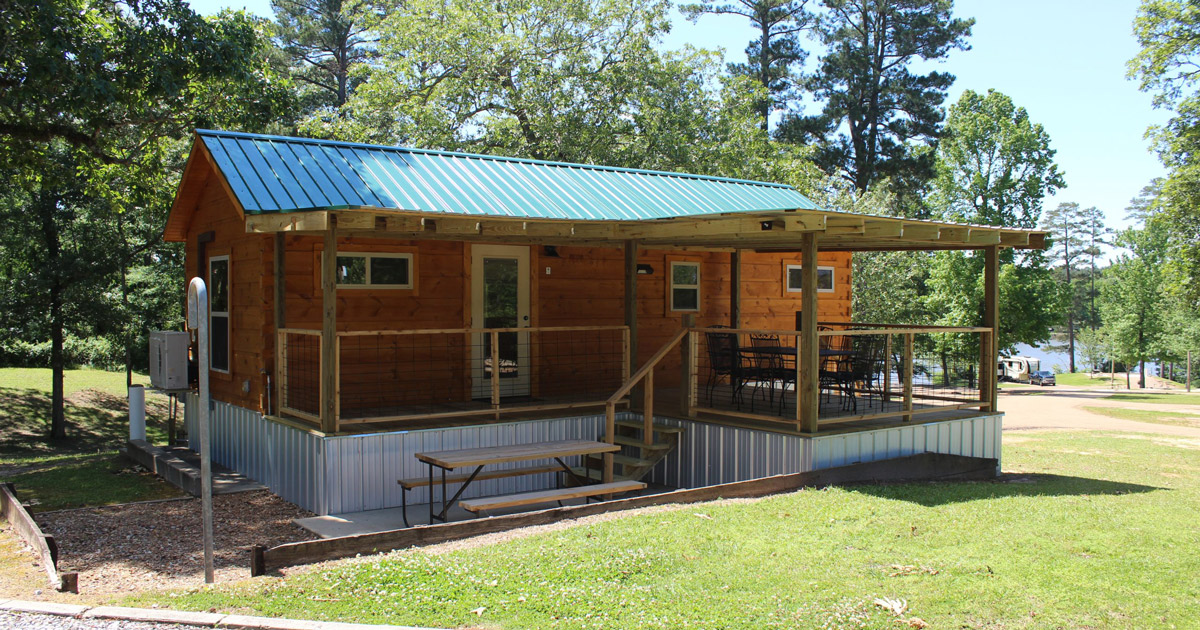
[
  {"x": 876, "y": 112},
  {"x": 774, "y": 57}
]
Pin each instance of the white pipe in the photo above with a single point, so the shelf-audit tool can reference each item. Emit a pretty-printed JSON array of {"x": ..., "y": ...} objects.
[{"x": 137, "y": 412}]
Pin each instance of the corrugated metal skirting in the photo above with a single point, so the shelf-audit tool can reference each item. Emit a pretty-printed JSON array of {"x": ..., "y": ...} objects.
[
  {"x": 711, "y": 454},
  {"x": 335, "y": 475}
]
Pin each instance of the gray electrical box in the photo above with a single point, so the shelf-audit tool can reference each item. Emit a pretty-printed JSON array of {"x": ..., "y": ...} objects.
[{"x": 169, "y": 359}]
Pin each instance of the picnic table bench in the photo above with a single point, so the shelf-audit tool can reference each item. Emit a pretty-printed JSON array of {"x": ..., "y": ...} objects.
[{"x": 478, "y": 458}]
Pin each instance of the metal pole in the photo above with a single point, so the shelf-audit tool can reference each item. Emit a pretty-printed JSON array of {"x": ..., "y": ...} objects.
[{"x": 198, "y": 321}]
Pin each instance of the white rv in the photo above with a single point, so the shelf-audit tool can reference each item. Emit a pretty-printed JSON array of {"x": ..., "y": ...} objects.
[{"x": 1017, "y": 369}]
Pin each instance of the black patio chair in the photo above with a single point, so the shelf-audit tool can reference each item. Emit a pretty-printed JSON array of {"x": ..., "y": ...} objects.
[
  {"x": 859, "y": 372},
  {"x": 769, "y": 370},
  {"x": 723, "y": 362}
]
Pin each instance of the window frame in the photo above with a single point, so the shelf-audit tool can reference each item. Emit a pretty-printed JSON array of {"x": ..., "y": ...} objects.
[
  {"x": 671, "y": 286},
  {"x": 225, "y": 314},
  {"x": 787, "y": 276},
  {"x": 367, "y": 256}
]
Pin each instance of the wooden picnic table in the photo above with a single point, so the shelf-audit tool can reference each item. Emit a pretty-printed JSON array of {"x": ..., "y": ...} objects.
[{"x": 479, "y": 457}]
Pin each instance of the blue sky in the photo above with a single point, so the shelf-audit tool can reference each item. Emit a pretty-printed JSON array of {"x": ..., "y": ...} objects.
[{"x": 1063, "y": 60}]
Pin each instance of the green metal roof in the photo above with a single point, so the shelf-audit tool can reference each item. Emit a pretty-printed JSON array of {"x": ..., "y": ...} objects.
[{"x": 283, "y": 174}]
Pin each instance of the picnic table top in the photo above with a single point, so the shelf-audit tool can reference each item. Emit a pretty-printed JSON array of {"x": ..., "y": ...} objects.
[{"x": 516, "y": 453}]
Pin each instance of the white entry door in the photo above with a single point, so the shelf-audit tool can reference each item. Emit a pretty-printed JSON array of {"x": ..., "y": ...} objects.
[{"x": 500, "y": 299}]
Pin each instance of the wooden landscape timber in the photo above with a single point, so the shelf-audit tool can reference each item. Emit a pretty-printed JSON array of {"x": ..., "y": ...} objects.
[
  {"x": 42, "y": 544},
  {"x": 920, "y": 467}
]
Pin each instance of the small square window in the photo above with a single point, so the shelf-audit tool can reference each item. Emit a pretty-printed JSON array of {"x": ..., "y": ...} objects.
[
  {"x": 685, "y": 286},
  {"x": 794, "y": 279}
]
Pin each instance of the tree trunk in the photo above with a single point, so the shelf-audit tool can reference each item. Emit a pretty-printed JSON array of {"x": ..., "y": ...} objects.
[
  {"x": 126, "y": 337},
  {"x": 1070, "y": 319},
  {"x": 1142, "y": 374},
  {"x": 58, "y": 419}
]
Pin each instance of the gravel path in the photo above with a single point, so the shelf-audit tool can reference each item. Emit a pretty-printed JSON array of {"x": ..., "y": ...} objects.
[
  {"x": 27, "y": 621},
  {"x": 141, "y": 546}
]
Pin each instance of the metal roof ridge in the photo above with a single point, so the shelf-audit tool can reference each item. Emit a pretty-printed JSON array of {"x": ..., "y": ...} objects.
[{"x": 484, "y": 156}]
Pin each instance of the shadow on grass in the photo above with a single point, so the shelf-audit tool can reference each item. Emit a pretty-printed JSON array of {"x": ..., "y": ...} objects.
[
  {"x": 95, "y": 421},
  {"x": 1006, "y": 486}
]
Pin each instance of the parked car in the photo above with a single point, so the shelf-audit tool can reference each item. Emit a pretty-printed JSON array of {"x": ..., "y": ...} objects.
[{"x": 1041, "y": 377}]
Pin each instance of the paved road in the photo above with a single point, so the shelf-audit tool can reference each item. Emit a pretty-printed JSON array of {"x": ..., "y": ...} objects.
[
  {"x": 26, "y": 621},
  {"x": 1061, "y": 408}
]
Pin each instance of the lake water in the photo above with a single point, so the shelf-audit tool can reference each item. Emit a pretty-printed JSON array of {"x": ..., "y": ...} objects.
[
  {"x": 1051, "y": 360},
  {"x": 1058, "y": 361}
]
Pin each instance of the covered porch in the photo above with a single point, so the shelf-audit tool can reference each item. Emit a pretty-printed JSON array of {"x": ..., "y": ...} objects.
[{"x": 816, "y": 378}]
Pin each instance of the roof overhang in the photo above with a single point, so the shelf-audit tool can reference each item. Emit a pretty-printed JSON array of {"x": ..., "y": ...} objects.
[{"x": 766, "y": 231}]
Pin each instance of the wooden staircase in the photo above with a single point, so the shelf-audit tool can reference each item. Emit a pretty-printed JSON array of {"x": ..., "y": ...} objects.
[{"x": 636, "y": 458}]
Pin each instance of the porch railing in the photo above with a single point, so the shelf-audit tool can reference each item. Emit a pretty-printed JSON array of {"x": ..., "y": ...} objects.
[
  {"x": 390, "y": 376},
  {"x": 865, "y": 372}
]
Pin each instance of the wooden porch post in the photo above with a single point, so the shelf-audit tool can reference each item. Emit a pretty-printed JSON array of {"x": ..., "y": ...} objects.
[
  {"x": 809, "y": 398},
  {"x": 991, "y": 319},
  {"x": 735, "y": 289},
  {"x": 329, "y": 329},
  {"x": 631, "y": 254},
  {"x": 280, "y": 319}
]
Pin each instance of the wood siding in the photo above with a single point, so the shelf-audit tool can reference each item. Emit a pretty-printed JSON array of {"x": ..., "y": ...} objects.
[{"x": 251, "y": 290}]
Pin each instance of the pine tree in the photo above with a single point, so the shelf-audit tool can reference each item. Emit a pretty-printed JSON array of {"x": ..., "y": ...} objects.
[
  {"x": 1067, "y": 224},
  {"x": 773, "y": 58}
]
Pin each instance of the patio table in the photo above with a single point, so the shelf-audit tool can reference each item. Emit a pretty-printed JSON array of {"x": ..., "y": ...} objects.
[{"x": 477, "y": 458}]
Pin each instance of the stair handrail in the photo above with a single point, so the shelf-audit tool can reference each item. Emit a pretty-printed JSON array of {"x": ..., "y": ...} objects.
[
  {"x": 646, "y": 374},
  {"x": 647, "y": 368}
]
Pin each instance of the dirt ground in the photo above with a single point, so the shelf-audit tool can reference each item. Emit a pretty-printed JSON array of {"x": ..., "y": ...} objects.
[
  {"x": 156, "y": 545},
  {"x": 1061, "y": 408}
]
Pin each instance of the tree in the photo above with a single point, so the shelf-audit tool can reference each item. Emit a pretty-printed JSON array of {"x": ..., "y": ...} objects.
[
  {"x": 1167, "y": 66},
  {"x": 772, "y": 58},
  {"x": 1093, "y": 347},
  {"x": 1066, "y": 224},
  {"x": 130, "y": 81},
  {"x": 1132, "y": 296},
  {"x": 994, "y": 167},
  {"x": 575, "y": 81},
  {"x": 328, "y": 45},
  {"x": 1096, "y": 237},
  {"x": 870, "y": 92}
]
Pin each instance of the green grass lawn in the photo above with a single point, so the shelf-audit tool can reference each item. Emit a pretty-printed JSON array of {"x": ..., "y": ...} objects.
[
  {"x": 1087, "y": 530},
  {"x": 97, "y": 412},
  {"x": 85, "y": 469},
  {"x": 1083, "y": 379},
  {"x": 59, "y": 482},
  {"x": 1148, "y": 397},
  {"x": 1148, "y": 415}
]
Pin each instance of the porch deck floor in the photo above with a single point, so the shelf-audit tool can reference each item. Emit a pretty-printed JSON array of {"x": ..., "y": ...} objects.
[{"x": 375, "y": 521}]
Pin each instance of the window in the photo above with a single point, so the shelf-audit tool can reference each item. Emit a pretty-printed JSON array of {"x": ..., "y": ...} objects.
[
  {"x": 382, "y": 271},
  {"x": 685, "y": 286},
  {"x": 218, "y": 313},
  {"x": 793, "y": 278}
]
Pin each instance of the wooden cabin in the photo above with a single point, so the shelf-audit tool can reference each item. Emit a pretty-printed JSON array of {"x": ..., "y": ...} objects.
[{"x": 367, "y": 301}]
